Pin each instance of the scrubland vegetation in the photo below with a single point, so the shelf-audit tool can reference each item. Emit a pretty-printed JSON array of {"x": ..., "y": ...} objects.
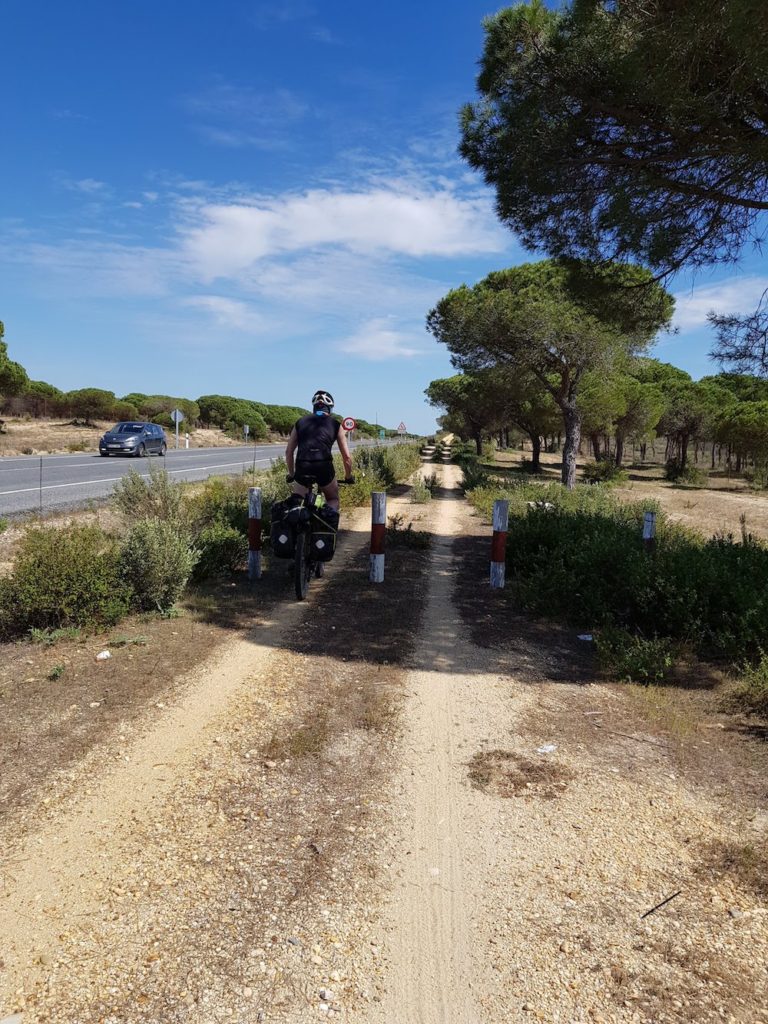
[{"x": 171, "y": 534}]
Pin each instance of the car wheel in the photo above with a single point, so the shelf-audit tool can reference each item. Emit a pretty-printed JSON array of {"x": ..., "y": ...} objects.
[
  {"x": 141, "y": 451},
  {"x": 163, "y": 449},
  {"x": 104, "y": 455}
]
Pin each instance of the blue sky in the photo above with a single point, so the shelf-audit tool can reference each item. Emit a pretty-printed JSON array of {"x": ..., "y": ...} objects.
[{"x": 254, "y": 198}]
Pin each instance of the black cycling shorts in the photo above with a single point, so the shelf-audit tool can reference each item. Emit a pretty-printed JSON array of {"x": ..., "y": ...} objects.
[{"x": 307, "y": 472}]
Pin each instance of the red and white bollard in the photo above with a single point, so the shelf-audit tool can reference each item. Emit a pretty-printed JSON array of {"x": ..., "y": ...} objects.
[
  {"x": 254, "y": 533},
  {"x": 378, "y": 533},
  {"x": 499, "y": 543}
]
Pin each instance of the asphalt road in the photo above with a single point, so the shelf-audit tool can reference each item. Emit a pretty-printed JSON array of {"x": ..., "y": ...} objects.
[{"x": 70, "y": 480}]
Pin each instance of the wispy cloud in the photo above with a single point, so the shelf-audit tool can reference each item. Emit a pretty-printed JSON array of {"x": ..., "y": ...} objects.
[
  {"x": 734, "y": 295},
  {"x": 244, "y": 104},
  {"x": 231, "y": 238},
  {"x": 378, "y": 340},
  {"x": 266, "y": 14},
  {"x": 229, "y": 313},
  {"x": 88, "y": 186}
]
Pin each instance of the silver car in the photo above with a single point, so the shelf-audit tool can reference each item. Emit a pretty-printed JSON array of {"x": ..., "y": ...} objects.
[{"x": 131, "y": 438}]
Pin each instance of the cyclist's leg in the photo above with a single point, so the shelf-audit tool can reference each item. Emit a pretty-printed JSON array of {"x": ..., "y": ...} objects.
[{"x": 331, "y": 494}]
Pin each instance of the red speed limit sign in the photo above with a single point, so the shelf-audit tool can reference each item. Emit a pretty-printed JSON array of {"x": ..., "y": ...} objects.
[{"x": 348, "y": 423}]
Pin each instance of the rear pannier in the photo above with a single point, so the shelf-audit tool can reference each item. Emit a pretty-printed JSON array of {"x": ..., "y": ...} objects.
[
  {"x": 325, "y": 526},
  {"x": 282, "y": 531}
]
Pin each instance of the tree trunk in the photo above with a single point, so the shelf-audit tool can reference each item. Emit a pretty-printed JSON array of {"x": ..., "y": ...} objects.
[
  {"x": 501, "y": 439},
  {"x": 595, "y": 440},
  {"x": 643, "y": 450},
  {"x": 619, "y": 449},
  {"x": 572, "y": 421},
  {"x": 479, "y": 443},
  {"x": 535, "y": 452},
  {"x": 684, "y": 442},
  {"x": 713, "y": 455}
]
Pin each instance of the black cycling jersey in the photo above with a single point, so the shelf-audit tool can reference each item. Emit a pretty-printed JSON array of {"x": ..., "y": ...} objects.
[{"x": 317, "y": 435}]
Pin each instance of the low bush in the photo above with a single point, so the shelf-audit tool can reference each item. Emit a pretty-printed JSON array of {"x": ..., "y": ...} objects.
[
  {"x": 63, "y": 578},
  {"x": 154, "y": 497},
  {"x": 751, "y": 697},
  {"x": 578, "y": 556},
  {"x": 156, "y": 561},
  {"x": 220, "y": 548},
  {"x": 691, "y": 476},
  {"x": 420, "y": 493},
  {"x": 757, "y": 477},
  {"x": 631, "y": 658},
  {"x": 473, "y": 475},
  {"x": 604, "y": 472}
]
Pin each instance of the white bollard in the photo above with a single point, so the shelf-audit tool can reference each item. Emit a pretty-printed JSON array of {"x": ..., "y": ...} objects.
[
  {"x": 649, "y": 531},
  {"x": 186, "y": 441},
  {"x": 378, "y": 533},
  {"x": 254, "y": 533},
  {"x": 499, "y": 544}
]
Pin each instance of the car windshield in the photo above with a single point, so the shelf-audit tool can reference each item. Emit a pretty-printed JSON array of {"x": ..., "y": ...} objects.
[{"x": 128, "y": 428}]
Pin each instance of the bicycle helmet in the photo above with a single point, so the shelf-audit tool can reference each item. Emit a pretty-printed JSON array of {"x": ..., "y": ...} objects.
[{"x": 322, "y": 401}]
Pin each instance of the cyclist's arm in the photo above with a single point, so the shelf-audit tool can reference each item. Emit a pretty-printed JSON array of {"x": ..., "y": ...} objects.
[
  {"x": 293, "y": 441},
  {"x": 346, "y": 458}
]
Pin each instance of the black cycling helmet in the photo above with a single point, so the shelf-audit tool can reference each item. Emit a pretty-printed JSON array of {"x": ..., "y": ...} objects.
[{"x": 322, "y": 400}]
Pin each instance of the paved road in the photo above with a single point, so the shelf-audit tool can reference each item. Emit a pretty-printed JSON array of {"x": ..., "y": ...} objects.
[{"x": 69, "y": 480}]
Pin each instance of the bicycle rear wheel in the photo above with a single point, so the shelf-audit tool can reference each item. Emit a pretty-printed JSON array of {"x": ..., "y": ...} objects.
[{"x": 302, "y": 567}]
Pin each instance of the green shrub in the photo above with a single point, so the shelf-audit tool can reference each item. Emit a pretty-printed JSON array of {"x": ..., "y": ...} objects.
[
  {"x": 691, "y": 476},
  {"x": 4, "y": 524},
  {"x": 220, "y": 548},
  {"x": 156, "y": 562},
  {"x": 420, "y": 493},
  {"x": 48, "y": 637},
  {"x": 155, "y": 497},
  {"x": 635, "y": 659},
  {"x": 63, "y": 578},
  {"x": 751, "y": 697},
  {"x": 473, "y": 475},
  {"x": 581, "y": 560},
  {"x": 604, "y": 472},
  {"x": 757, "y": 477}
]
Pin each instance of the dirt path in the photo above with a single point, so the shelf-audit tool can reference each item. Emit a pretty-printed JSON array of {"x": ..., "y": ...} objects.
[
  {"x": 379, "y": 809},
  {"x": 537, "y": 819}
]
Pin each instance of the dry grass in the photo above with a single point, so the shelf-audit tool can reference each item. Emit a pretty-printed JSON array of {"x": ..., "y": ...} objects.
[
  {"x": 60, "y": 437},
  {"x": 506, "y": 774},
  {"x": 747, "y": 862}
]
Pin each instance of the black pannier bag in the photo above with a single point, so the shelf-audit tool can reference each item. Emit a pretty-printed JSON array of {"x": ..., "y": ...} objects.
[
  {"x": 282, "y": 531},
  {"x": 325, "y": 526}
]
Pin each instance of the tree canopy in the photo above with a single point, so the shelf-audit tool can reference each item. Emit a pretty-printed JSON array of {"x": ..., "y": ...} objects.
[
  {"x": 625, "y": 129},
  {"x": 554, "y": 320},
  {"x": 13, "y": 376}
]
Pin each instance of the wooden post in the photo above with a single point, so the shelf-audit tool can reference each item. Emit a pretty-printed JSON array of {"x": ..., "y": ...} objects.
[
  {"x": 649, "y": 531},
  {"x": 254, "y": 533},
  {"x": 378, "y": 533},
  {"x": 499, "y": 543}
]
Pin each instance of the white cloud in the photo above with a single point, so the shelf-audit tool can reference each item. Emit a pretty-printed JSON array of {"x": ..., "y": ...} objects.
[
  {"x": 229, "y": 313},
  {"x": 378, "y": 340},
  {"x": 734, "y": 295},
  {"x": 89, "y": 186},
  {"x": 395, "y": 219}
]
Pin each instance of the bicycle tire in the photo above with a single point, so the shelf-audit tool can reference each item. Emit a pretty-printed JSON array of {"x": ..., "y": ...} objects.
[{"x": 301, "y": 566}]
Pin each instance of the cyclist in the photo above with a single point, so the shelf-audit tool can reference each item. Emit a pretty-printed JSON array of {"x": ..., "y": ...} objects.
[{"x": 308, "y": 454}]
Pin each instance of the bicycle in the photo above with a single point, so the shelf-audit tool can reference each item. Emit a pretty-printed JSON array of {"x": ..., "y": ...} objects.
[{"x": 305, "y": 567}]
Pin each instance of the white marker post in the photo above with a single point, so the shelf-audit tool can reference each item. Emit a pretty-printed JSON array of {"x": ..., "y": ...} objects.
[
  {"x": 649, "y": 531},
  {"x": 378, "y": 533},
  {"x": 499, "y": 544},
  {"x": 254, "y": 533}
]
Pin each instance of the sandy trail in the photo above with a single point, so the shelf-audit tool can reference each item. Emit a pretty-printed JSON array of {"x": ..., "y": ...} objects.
[{"x": 434, "y": 976}]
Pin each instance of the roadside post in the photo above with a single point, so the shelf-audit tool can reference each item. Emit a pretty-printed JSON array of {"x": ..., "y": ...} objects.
[
  {"x": 186, "y": 440},
  {"x": 649, "y": 532},
  {"x": 499, "y": 543},
  {"x": 254, "y": 533},
  {"x": 378, "y": 533},
  {"x": 402, "y": 430},
  {"x": 246, "y": 431},
  {"x": 177, "y": 416}
]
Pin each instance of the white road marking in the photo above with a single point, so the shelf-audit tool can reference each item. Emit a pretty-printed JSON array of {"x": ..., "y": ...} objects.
[{"x": 112, "y": 479}]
